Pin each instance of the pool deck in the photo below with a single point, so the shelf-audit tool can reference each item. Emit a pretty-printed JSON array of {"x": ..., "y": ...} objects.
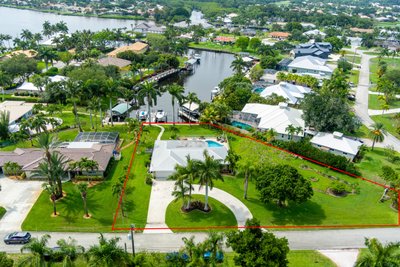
[{"x": 225, "y": 144}]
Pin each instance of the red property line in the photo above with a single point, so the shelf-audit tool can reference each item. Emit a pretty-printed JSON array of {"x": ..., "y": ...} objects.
[{"x": 235, "y": 132}]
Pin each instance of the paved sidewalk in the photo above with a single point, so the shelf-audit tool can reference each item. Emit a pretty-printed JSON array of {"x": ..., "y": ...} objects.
[
  {"x": 373, "y": 112},
  {"x": 161, "y": 197},
  {"x": 342, "y": 258},
  {"x": 17, "y": 197}
]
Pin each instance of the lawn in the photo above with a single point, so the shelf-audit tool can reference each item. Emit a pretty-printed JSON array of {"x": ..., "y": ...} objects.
[
  {"x": 375, "y": 103},
  {"x": 216, "y": 47},
  {"x": 354, "y": 76},
  {"x": 372, "y": 162},
  {"x": 362, "y": 132},
  {"x": 101, "y": 203},
  {"x": 353, "y": 58},
  {"x": 220, "y": 215},
  {"x": 322, "y": 209},
  {"x": 390, "y": 123},
  {"x": 392, "y": 63},
  {"x": 308, "y": 258}
]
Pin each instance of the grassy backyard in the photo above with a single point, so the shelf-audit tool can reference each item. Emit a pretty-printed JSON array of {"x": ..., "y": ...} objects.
[
  {"x": 220, "y": 215},
  {"x": 375, "y": 103}
]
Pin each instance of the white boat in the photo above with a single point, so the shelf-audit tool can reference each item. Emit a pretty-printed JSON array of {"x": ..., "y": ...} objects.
[
  {"x": 142, "y": 115},
  {"x": 215, "y": 92},
  {"x": 161, "y": 116},
  {"x": 197, "y": 57}
]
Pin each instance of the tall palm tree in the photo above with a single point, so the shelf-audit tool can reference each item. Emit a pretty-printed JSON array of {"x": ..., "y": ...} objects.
[
  {"x": 232, "y": 158},
  {"x": 107, "y": 253},
  {"x": 291, "y": 130},
  {"x": 117, "y": 190},
  {"x": 70, "y": 250},
  {"x": 248, "y": 169},
  {"x": 208, "y": 171},
  {"x": 238, "y": 65},
  {"x": 377, "y": 133},
  {"x": 176, "y": 91},
  {"x": 379, "y": 254},
  {"x": 52, "y": 190},
  {"x": 38, "y": 250},
  {"x": 92, "y": 107},
  {"x": 4, "y": 123},
  {"x": 186, "y": 174},
  {"x": 181, "y": 189},
  {"x": 83, "y": 188},
  {"x": 73, "y": 89},
  {"x": 191, "y": 98},
  {"x": 149, "y": 91},
  {"x": 47, "y": 55}
]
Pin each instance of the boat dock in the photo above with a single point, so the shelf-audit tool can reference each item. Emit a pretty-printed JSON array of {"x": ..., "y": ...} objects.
[{"x": 162, "y": 75}]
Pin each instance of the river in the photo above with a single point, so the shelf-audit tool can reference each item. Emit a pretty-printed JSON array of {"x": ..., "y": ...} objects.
[{"x": 213, "y": 67}]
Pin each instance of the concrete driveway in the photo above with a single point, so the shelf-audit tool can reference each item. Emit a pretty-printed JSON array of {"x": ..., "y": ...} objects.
[{"x": 17, "y": 197}]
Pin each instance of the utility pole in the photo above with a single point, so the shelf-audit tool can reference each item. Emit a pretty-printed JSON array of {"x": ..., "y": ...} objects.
[{"x": 132, "y": 239}]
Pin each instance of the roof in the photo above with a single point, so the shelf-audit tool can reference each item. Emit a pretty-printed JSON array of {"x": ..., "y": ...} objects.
[
  {"x": 121, "y": 108},
  {"x": 313, "y": 48},
  {"x": 30, "y": 158},
  {"x": 137, "y": 47},
  {"x": 289, "y": 91},
  {"x": 114, "y": 61},
  {"x": 337, "y": 141},
  {"x": 169, "y": 153},
  {"x": 193, "y": 106},
  {"x": 355, "y": 29},
  {"x": 28, "y": 86},
  {"x": 310, "y": 63},
  {"x": 279, "y": 34},
  {"x": 225, "y": 39},
  {"x": 276, "y": 117},
  {"x": 314, "y": 32},
  {"x": 28, "y": 53},
  {"x": 17, "y": 109},
  {"x": 100, "y": 137}
]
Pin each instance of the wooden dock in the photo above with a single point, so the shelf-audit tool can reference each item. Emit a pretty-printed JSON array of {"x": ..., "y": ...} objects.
[{"x": 162, "y": 75}]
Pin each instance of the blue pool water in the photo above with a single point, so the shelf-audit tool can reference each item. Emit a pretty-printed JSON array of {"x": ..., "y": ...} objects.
[
  {"x": 211, "y": 143},
  {"x": 241, "y": 125},
  {"x": 258, "y": 90}
]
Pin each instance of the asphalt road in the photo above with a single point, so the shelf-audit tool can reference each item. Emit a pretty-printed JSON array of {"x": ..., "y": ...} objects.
[{"x": 298, "y": 240}]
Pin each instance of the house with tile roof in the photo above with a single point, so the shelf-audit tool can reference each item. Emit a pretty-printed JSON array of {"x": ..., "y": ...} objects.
[
  {"x": 319, "y": 49},
  {"x": 309, "y": 65}
]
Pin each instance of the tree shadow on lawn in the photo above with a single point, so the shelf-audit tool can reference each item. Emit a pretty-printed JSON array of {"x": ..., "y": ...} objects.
[
  {"x": 308, "y": 213},
  {"x": 217, "y": 217}
]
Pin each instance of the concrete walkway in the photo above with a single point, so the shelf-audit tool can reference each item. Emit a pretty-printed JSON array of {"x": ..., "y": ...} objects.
[
  {"x": 373, "y": 112},
  {"x": 379, "y": 93},
  {"x": 17, "y": 197},
  {"x": 161, "y": 197},
  {"x": 162, "y": 131},
  {"x": 342, "y": 258}
]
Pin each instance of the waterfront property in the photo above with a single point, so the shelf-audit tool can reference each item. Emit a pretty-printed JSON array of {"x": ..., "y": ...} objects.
[
  {"x": 336, "y": 143},
  {"x": 113, "y": 61},
  {"x": 149, "y": 28},
  {"x": 265, "y": 117},
  {"x": 169, "y": 153},
  {"x": 309, "y": 65},
  {"x": 293, "y": 93},
  {"x": 225, "y": 39},
  {"x": 137, "y": 48},
  {"x": 189, "y": 112},
  {"x": 319, "y": 49}
]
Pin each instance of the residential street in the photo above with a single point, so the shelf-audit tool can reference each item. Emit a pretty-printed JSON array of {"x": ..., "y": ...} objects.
[{"x": 361, "y": 106}]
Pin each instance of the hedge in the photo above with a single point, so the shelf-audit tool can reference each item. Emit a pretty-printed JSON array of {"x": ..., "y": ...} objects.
[{"x": 88, "y": 178}]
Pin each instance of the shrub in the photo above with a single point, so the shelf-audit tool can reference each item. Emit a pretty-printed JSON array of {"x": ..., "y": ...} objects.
[
  {"x": 88, "y": 177},
  {"x": 2, "y": 212},
  {"x": 149, "y": 179},
  {"x": 12, "y": 168},
  {"x": 337, "y": 188}
]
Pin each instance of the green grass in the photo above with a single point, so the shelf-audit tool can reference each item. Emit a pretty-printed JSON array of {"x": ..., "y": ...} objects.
[
  {"x": 350, "y": 58},
  {"x": 354, "y": 77},
  {"x": 362, "y": 132},
  {"x": 308, "y": 258},
  {"x": 392, "y": 63},
  {"x": 375, "y": 103},
  {"x": 2, "y": 212},
  {"x": 372, "y": 162},
  {"x": 322, "y": 209},
  {"x": 216, "y": 47},
  {"x": 190, "y": 131},
  {"x": 390, "y": 123},
  {"x": 220, "y": 215}
]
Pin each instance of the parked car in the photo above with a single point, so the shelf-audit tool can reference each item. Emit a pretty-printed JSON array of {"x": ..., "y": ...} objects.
[{"x": 17, "y": 238}]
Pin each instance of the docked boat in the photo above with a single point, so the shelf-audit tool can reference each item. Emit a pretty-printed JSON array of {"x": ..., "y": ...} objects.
[
  {"x": 215, "y": 92},
  {"x": 142, "y": 115},
  {"x": 161, "y": 116},
  {"x": 197, "y": 57}
]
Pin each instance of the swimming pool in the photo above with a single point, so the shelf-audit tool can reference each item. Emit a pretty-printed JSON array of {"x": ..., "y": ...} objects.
[
  {"x": 211, "y": 143},
  {"x": 258, "y": 90},
  {"x": 241, "y": 125}
]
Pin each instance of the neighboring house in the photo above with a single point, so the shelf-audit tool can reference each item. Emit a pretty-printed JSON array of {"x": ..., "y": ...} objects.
[
  {"x": 248, "y": 32},
  {"x": 114, "y": 61},
  {"x": 320, "y": 49},
  {"x": 30, "y": 87},
  {"x": 225, "y": 39},
  {"x": 337, "y": 144},
  {"x": 149, "y": 28},
  {"x": 314, "y": 33},
  {"x": 97, "y": 146},
  {"x": 391, "y": 43},
  {"x": 360, "y": 30},
  {"x": 277, "y": 117},
  {"x": 284, "y": 63},
  {"x": 28, "y": 53},
  {"x": 137, "y": 48},
  {"x": 309, "y": 65},
  {"x": 18, "y": 110},
  {"x": 293, "y": 93},
  {"x": 279, "y": 35},
  {"x": 169, "y": 153},
  {"x": 120, "y": 111}
]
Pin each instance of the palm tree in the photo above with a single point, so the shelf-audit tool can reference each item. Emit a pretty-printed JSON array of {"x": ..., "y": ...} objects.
[
  {"x": 180, "y": 189},
  {"x": 214, "y": 244},
  {"x": 70, "y": 250},
  {"x": 377, "y": 133},
  {"x": 270, "y": 135},
  {"x": 117, "y": 190},
  {"x": 133, "y": 126},
  {"x": 83, "y": 187},
  {"x": 248, "y": 169},
  {"x": 4, "y": 123},
  {"x": 208, "y": 171},
  {"x": 379, "y": 255},
  {"x": 191, "y": 98},
  {"x": 188, "y": 175},
  {"x": 48, "y": 143},
  {"x": 107, "y": 253},
  {"x": 92, "y": 107},
  {"x": 149, "y": 91},
  {"x": 38, "y": 250},
  {"x": 38, "y": 123},
  {"x": 176, "y": 91},
  {"x": 52, "y": 190},
  {"x": 238, "y": 65},
  {"x": 73, "y": 89},
  {"x": 232, "y": 158},
  {"x": 47, "y": 55},
  {"x": 291, "y": 130}
]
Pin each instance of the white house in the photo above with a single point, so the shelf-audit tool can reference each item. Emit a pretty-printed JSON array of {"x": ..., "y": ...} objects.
[
  {"x": 30, "y": 87},
  {"x": 293, "y": 93},
  {"x": 18, "y": 110},
  {"x": 337, "y": 144},
  {"x": 169, "y": 153},
  {"x": 313, "y": 33},
  {"x": 310, "y": 65},
  {"x": 276, "y": 117}
]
